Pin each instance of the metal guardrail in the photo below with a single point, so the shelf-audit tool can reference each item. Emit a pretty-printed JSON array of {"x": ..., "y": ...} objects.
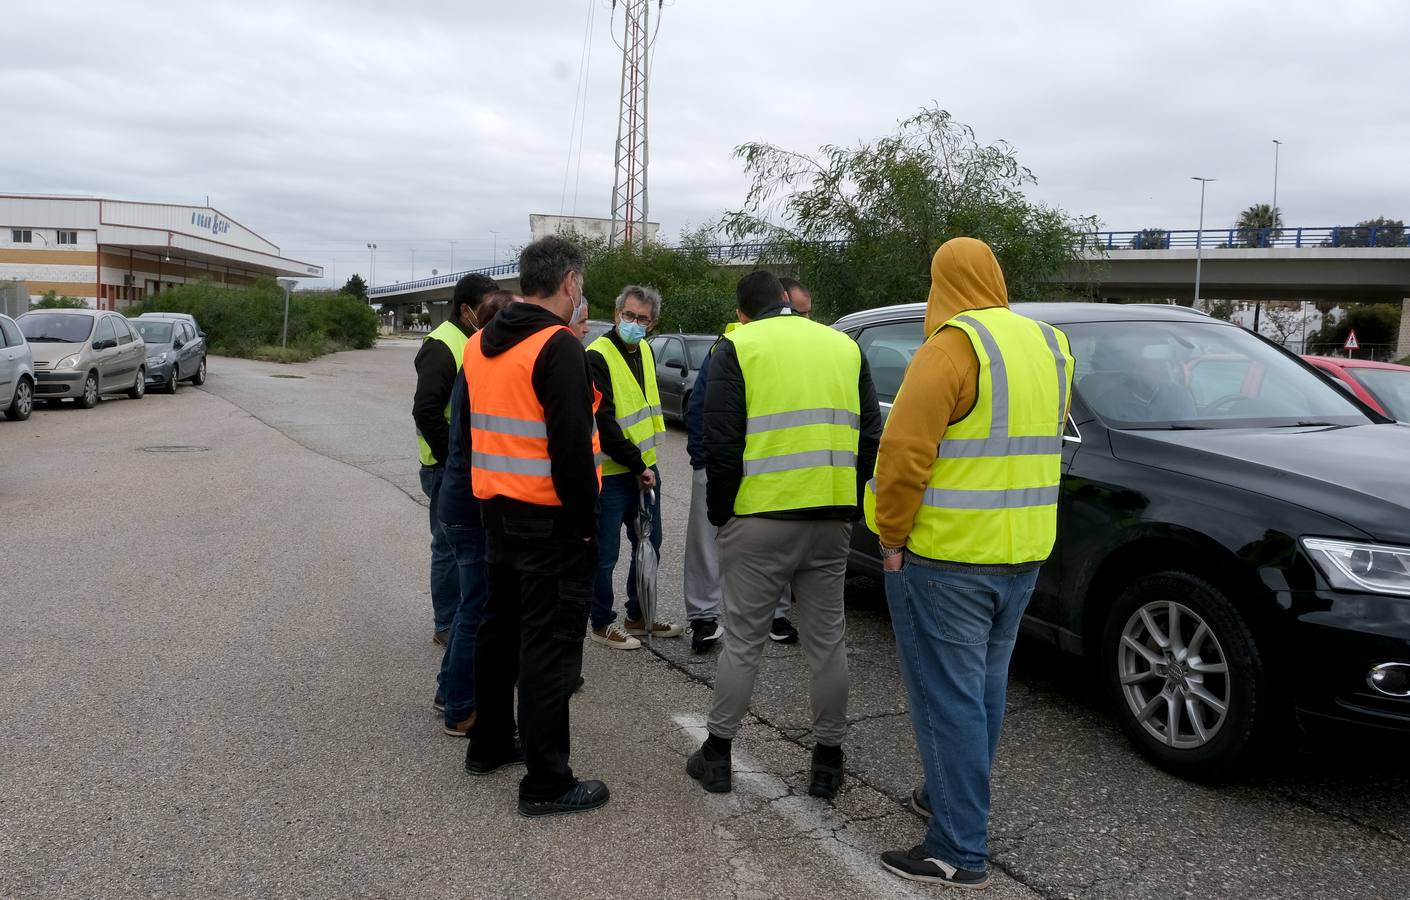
[
  {"x": 1340, "y": 236},
  {"x": 1145, "y": 239}
]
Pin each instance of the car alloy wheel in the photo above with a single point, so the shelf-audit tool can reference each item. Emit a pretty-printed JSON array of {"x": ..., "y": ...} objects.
[
  {"x": 170, "y": 386},
  {"x": 23, "y": 404},
  {"x": 139, "y": 387},
  {"x": 1174, "y": 675},
  {"x": 90, "y": 391},
  {"x": 200, "y": 378}
]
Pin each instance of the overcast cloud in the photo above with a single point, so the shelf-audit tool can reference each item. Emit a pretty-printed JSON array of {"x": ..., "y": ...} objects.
[{"x": 326, "y": 125}]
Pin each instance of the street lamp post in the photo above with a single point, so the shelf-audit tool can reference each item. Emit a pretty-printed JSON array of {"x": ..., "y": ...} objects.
[
  {"x": 1277, "y": 145},
  {"x": 1199, "y": 235},
  {"x": 288, "y": 285},
  {"x": 372, "y": 262},
  {"x": 495, "y": 261},
  {"x": 413, "y": 263},
  {"x": 452, "y": 256}
]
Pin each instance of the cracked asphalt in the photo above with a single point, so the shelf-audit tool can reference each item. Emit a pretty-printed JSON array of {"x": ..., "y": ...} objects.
[{"x": 215, "y": 674}]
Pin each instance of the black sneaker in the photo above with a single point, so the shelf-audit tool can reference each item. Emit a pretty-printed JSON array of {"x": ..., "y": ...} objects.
[
  {"x": 920, "y": 801},
  {"x": 480, "y": 766},
  {"x": 827, "y": 776},
  {"x": 581, "y": 797},
  {"x": 579, "y": 686},
  {"x": 705, "y": 634},
  {"x": 917, "y": 864},
  {"x": 711, "y": 771},
  {"x": 783, "y": 632}
]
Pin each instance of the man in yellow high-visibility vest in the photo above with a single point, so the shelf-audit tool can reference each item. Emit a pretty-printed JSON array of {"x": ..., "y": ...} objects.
[
  {"x": 631, "y": 425},
  {"x": 965, "y": 503},
  {"x": 437, "y": 365},
  {"x": 791, "y": 426}
]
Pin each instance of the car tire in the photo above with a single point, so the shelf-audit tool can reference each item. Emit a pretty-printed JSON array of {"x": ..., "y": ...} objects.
[
  {"x": 91, "y": 391},
  {"x": 139, "y": 387},
  {"x": 23, "y": 403},
  {"x": 1155, "y": 674},
  {"x": 170, "y": 386},
  {"x": 200, "y": 377}
]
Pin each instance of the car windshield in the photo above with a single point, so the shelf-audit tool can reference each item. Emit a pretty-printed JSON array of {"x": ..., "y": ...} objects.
[
  {"x": 699, "y": 349},
  {"x": 1390, "y": 386},
  {"x": 55, "y": 328},
  {"x": 1153, "y": 375},
  {"x": 153, "y": 332}
]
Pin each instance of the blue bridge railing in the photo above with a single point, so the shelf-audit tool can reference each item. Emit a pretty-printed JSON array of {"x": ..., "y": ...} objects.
[{"x": 1146, "y": 239}]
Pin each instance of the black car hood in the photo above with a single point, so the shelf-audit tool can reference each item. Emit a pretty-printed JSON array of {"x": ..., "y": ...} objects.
[{"x": 1358, "y": 474}]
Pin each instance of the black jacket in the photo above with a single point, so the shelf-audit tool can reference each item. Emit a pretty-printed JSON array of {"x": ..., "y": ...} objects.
[
  {"x": 724, "y": 424},
  {"x": 457, "y": 504},
  {"x": 562, "y": 384},
  {"x": 435, "y": 377},
  {"x": 614, "y": 443}
]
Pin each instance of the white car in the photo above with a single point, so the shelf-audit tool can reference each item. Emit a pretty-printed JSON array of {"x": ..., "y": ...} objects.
[{"x": 16, "y": 371}]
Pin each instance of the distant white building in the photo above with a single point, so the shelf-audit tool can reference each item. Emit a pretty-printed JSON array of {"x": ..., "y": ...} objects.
[
  {"x": 541, "y": 226},
  {"x": 113, "y": 252},
  {"x": 1291, "y": 323}
]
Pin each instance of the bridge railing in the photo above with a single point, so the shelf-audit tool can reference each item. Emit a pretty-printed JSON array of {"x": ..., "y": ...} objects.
[
  {"x": 437, "y": 280},
  {"x": 1250, "y": 238}
]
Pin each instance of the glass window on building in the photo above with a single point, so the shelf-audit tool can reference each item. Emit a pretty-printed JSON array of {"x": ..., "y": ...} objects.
[
  {"x": 68, "y": 237},
  {"x": 21, "y": 236}
]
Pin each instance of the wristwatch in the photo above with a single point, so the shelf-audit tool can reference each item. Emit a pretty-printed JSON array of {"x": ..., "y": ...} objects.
[{"x": 888, "y": 552}]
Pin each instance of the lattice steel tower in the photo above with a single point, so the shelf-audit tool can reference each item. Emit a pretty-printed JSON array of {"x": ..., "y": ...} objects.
[{"x": 629, "y": 196}]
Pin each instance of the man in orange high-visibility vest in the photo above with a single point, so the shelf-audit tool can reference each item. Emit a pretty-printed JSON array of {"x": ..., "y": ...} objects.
[{"x": 532, "y": 447}]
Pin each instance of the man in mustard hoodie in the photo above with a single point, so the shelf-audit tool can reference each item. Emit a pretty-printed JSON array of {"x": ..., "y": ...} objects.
[{"x": 965, "y": 503}]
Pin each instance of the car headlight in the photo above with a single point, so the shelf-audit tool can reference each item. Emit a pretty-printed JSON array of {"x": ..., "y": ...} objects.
[
  {"x": 68, "y": 362},
  {"x": 1355, "y": 566},
  {"x": 157, "y": 360}
]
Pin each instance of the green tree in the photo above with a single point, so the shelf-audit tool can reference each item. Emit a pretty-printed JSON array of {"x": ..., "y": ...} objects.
[
  {"x": 1221, "y": 309},
  {"x": 52, "y": 300},
  {"x": 1151, "y": 239},
  {"x": 861, "y": 224},
  {"x": 1258, "y": 226},
  {"x": 355, "y": 286},
  {"x": 1376, "y": 324},
  {"x": 1379, "y": 232},
  {"x": 696, "y": 296}
]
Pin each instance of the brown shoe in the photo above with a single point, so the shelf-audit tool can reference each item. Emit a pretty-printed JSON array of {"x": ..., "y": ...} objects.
[
  {"x": 461, "y": 728},
  {"x": 637, "y": 628},
  {"x": 441, "y": 637},
  {"x": 612, "y": 635}
]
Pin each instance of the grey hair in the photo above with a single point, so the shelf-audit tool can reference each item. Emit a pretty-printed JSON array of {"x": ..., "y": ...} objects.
[{"x": 644, "y": 294}]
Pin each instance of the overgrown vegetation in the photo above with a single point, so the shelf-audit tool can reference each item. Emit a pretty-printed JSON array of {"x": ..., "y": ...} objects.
[
  {"x": 696, "y": 295},
  {"x": 862, "y": 223},
  {"x": 52, "y": 300},
  {"x": 1376, "y": 325},
  {"x": 248, "y": 320}
]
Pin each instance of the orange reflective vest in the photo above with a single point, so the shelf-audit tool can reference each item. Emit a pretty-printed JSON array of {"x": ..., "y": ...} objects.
[{"x": 508, "y": 434}]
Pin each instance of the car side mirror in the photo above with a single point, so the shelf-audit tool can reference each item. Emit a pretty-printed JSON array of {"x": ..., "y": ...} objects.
[
  {"x": 684, "y": 370},
  {"x": 177, "y": 344}
]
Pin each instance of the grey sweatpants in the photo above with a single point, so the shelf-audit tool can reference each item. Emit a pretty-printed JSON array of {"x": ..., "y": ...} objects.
[
  {"x": 759, "y": 558},
  {"x": 702, "y": 560}
]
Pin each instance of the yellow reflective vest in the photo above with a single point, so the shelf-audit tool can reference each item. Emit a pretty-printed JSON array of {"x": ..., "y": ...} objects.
[
  {"x": 993, "y": 490},
  {"x": 638, "y": 412},
  {"x": 447, "y": 333},
  {"x": 804, "y": 415}
]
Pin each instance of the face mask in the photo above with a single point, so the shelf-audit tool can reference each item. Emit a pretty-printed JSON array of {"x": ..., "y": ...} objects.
[
  {"x": 631, "y": 332},
  {"x": 580, "y": 311}
]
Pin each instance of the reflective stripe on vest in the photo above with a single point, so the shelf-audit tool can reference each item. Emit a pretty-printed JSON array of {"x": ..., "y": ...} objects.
[
  {"x": 803, "y": 415},
  {"x": 447, "y": 333},
  {"x": 508, "y": 434},
  {"x": 638, "y": 412},
  {"x": 993, "y": 489}
]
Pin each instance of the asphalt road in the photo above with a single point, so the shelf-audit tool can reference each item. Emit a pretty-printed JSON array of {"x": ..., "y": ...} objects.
[{"x": 216, "y": 672}]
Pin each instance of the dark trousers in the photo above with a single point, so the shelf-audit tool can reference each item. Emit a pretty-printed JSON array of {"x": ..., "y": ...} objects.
[
  {"x": 456, "y": 681},
  {"x": 540, "y": 586}
]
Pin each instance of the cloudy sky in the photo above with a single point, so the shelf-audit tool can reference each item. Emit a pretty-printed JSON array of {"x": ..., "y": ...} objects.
[{"x": 328, "y": 125}]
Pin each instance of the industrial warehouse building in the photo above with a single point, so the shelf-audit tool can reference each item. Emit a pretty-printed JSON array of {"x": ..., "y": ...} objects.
[{"x": 113, "y": 252}]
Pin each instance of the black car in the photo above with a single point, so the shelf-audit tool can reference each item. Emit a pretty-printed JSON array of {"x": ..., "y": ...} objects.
[
  {"x": 1233, "y": 537},
  {"x": 678, "y": 358}
]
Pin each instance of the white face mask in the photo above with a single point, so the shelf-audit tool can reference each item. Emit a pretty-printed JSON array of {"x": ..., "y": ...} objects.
[{"x": 580, "y": 312}]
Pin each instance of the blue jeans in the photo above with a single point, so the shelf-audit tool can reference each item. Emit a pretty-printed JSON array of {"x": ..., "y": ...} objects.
[
  {"x": 445, "y": 581},
  {"x": 456, "y": 682},
  {"x": 955, "y": 632},
  {"x": 618, "y": 505}
]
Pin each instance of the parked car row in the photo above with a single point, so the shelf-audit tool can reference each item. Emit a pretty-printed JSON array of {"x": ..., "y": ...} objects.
[
  {"x": 1234, "y": 532},
  {"x": 84, "y": 354}
]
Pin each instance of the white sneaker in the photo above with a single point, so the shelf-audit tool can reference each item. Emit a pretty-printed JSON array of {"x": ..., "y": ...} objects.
[{"x": 613, "y": 636}]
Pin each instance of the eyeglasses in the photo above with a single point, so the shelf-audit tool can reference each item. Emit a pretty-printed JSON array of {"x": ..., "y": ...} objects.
[{"x": 642, "y": 319}]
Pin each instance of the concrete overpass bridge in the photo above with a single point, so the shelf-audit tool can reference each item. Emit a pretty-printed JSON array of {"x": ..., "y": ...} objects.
[{"x": 1336, "y": 263}]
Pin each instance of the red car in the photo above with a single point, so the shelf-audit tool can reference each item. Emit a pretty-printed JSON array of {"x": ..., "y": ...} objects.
[{"x": 1382, "y": 386}]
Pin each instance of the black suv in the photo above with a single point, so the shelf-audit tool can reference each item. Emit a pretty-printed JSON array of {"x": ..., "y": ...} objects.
[{"x": 1234, "y": 532}]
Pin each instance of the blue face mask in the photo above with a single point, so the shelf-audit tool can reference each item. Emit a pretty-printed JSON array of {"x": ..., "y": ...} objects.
[{"x": 631, "y": 332}]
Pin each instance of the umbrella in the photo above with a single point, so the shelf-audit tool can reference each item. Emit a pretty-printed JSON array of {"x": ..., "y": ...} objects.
[{"x": 646, "y": 562}]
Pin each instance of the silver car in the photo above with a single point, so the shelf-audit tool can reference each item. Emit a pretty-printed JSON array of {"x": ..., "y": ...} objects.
[
  {"x": 176, "y": 350},
  {"x": 16, "y": 372},
  {"x": 83, "y": 354}
]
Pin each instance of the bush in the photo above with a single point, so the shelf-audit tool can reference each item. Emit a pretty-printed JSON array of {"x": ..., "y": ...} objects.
[
  {"x": 701, "y": 308},
  {"x": 241, "y": 321},
  {"x": 52, "y": 300}
]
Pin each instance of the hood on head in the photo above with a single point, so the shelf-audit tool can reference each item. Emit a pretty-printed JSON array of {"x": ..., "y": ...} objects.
[{"x": 964, "y": 275}]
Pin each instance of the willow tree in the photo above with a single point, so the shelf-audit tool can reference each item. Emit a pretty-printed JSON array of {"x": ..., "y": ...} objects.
[{"x": 861, "y": 223}]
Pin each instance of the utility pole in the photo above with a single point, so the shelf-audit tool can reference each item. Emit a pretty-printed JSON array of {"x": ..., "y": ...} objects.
[
  {"x": 495, "y": 260},
  {"x": 288, "y": 285},
  {"x": 1277, "y": 145},
  {"x": 452, "y": 256},
  {"x": 1199, "y": 235},
  {"x": 372, "y": 262},
  {"x": 630, "y": 208},
  {"x": 413, "y": 263}
]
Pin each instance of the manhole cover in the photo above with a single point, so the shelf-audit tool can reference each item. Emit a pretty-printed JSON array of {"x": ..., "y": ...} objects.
[
  {"x": 174, "y": 448},
  {"x": 286, "y": 376}
]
